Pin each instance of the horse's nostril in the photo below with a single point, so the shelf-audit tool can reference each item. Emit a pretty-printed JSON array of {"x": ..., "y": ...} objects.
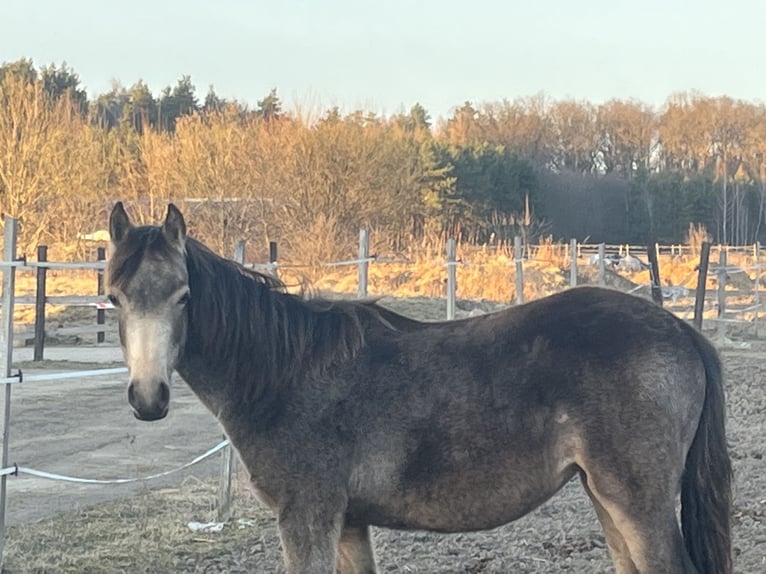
[
  {"x": 164, "y": 393},
  {"x": 132, "y": 396}
]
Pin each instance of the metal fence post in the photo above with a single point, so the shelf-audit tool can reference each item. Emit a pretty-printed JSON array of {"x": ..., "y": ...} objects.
[
  {"x": 273, "y": 269},
  {"x": 757, "y": 294},
  {"x": 239, "y": 252},
  {"x": 573, "y": 264},
  {"x": 6, "y": 357},
  {"x": 722, "y": 276},
  {"x": 100, "y": 313},
  {"x": 601, "y": 264},
  {"x": 228, "y": 459},
  {"x": 518, "y": 256},
  {"x": 364, "y": 265}
]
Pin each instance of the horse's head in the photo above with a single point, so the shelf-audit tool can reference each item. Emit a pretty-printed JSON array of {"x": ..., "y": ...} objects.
[{"x": 148, "y": 283}]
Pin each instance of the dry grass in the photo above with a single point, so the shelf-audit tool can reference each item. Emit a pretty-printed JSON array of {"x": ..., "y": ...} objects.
[
  {"x": 489, "y": 274},
  {"x": 147, "y": 533},
  {"x": 695, "y": 236},
  {"x": 483, "y": 274}
]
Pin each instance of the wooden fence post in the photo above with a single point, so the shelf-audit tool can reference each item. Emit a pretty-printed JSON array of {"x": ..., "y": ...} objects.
[
  {"x": 42, "y": 273},
  {"x": 364, "y": 265},
  {"x": 652, "y": 251},
  {"x": 573, "y": 264},
  {"x": 722, "y": 275},
  {"x": 100, "y": 313},
  {"x": 601, "y": 264},
  {"x": 518, "y": 256},
  {"x": 451, "y": 277},
  {"x": 699, "y": 295}
]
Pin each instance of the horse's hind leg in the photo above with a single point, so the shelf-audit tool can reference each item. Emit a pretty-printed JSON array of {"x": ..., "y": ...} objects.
[
  {"x": 355, "y": 553},
  {"x": 618, "y": 549},
  {"x": 644, "y": 519}
]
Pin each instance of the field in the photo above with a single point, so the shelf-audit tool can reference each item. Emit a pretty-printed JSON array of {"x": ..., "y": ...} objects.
[{"x": 84, "y": 428}]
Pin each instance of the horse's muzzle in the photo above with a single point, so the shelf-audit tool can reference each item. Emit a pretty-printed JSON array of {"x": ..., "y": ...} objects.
[
  {"x": 150, "y": 416},
  {"x": 149, "y": 402}
]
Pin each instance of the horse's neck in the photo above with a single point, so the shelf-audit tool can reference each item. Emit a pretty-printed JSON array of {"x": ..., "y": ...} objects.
[
  {"x": 205, "y": 380},
  {"x": 225, "y": 396}
]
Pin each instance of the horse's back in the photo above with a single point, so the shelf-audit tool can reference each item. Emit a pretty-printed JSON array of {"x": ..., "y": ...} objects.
[{"x": 582, "y": 340}]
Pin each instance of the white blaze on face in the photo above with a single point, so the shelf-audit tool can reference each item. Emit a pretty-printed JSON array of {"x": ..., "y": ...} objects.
[{"x": 149, "y": 350}]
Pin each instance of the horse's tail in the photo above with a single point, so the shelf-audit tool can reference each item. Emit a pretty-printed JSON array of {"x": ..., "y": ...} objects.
[{"x": 706, "y": 483}]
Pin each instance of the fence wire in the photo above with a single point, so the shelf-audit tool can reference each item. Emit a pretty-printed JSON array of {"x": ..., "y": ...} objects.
[{"x": 16, "y": 470}]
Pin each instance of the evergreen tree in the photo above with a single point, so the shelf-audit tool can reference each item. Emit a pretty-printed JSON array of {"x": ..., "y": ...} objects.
[{"x": 270, "y": 107}]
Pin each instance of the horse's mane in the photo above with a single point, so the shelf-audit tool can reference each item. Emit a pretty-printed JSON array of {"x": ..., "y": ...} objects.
[{"x": 261, "y": 335}]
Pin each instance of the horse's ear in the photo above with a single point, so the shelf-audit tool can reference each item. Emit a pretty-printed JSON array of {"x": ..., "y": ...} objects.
[
  {"x": 119, "y": 223},
  {"x": 174, "y": 227}
]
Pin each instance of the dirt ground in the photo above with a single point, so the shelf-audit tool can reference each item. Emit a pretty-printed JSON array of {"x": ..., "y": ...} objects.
[{"x": 84, "y": 428}]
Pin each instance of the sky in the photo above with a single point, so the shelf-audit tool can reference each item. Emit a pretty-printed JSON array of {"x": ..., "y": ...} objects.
[{"x": 387, "y": 55}]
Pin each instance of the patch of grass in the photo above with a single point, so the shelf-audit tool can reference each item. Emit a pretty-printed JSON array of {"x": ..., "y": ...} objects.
[{"x": 147, "y": 533}]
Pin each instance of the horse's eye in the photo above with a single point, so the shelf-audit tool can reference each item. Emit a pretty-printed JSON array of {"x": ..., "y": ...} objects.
[
  {"x": 184, "y": 299},
  {"x": 113, "y": 300}
]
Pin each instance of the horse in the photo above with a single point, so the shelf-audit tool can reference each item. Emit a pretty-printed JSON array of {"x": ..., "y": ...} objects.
[{"x": 348, "y": 415}]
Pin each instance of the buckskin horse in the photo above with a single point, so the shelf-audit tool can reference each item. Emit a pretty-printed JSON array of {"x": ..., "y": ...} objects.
[{"x": 348, "y": 415}]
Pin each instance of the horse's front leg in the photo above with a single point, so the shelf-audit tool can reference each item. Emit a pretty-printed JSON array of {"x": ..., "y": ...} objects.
[
  {"x": 355, "y": 553},
  {"x": 309, "y": 532}
]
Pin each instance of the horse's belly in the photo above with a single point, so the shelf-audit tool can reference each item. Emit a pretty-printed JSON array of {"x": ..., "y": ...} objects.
[{"x": 465, "y": 503}]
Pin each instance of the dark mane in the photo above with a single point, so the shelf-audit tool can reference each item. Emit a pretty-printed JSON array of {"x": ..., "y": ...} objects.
[{"x": 259, "y": 332}]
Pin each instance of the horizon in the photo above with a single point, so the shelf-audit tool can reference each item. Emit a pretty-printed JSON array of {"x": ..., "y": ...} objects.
[{"x": 335, "y": 54}]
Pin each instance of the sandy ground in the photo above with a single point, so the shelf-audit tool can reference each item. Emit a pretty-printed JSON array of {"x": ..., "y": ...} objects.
[{"x": 84, "y": 428}]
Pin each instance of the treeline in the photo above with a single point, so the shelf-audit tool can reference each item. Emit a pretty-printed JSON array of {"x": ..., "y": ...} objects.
[{"x": 616, "y": 172}]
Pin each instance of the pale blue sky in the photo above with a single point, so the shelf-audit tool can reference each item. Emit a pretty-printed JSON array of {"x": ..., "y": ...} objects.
[{"x": 386, "y": 55}]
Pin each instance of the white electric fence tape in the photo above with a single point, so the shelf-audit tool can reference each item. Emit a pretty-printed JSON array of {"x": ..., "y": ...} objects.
[{"x": 15, "y": 470}]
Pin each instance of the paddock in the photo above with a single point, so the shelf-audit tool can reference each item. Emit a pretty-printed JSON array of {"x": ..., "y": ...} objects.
[{"x": 85, "y": 429}]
